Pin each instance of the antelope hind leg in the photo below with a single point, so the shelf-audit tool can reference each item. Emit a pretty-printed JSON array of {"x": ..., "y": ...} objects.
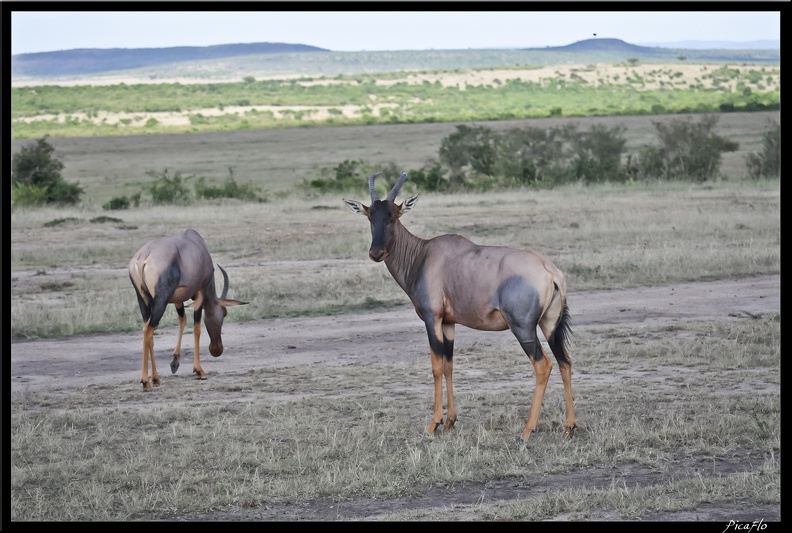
[{"x": 174, "y": 366}]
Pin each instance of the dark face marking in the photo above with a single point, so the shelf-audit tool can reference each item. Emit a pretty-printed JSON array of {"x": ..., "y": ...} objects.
[
  {"x": 382, "y": 214},
  {"x": 215, "y": 314}
]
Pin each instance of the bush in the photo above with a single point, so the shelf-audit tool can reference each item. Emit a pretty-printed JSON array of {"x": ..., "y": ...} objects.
[
  {"x": 36, "y": 177},
  {"x": 597, "y": 154},
  {"x": 28, "y": 195},
  {"x": 687, "y": 151},
  {"x": 429, "y": 178},
  {"x": 766, "y": 163},
  {"x": 350, "y": 175},
  {"x": 122, "y": 202},
  {"x": 473, "y": 148},
  {"x": 534, "y": 156},
  {"x": 169, "y": 189},
  {"x": 231, "y": 189},
  {"x": 117, "y": 203},
  {"x": 524, "y": 153},
  {"x": 648, "y": 164},
  {"x": 347, "y": 175}
]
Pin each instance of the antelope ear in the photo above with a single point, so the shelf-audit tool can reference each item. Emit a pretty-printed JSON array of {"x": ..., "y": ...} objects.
[
  {"x": 356, "y": 207},
  {"x": 408, "y": 204}
]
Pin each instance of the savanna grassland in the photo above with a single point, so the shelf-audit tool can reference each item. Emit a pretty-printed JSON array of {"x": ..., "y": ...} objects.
[
  {"x": 316, "y": 408},
  {"x": 424, "y": 97}
]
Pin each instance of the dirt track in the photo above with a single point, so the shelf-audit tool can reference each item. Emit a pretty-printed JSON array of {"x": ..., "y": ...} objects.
[{"x": 64, "y": 364}]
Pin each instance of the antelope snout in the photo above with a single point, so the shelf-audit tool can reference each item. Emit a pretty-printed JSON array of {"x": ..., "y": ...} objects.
[
  {"x": 376, "y": 255},
  {"x": 216, "y": 349}
]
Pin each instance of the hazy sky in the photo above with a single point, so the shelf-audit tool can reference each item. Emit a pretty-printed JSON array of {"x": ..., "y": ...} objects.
[{"x": 353, "y": 31}]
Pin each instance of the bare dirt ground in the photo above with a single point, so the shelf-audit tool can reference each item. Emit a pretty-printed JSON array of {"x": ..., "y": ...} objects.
[{"x": 68, "y": 365}]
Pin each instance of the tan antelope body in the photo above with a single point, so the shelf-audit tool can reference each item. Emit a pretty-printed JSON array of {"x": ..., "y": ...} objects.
[
  {"x": 450, "y": 280},
  {"x": 173, "y": 270}
]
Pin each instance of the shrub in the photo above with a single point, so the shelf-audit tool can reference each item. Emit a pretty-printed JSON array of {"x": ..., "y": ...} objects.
[
  {"x": 122, "y": 202},
  {"x": 36, "y": 177},
  {"x": 350, "y": 174},
  {"x": 522, "y": 153},
  {"x": 534, "y": 156},
  {"x": 231, "y": 189},
  {"x": 766, "y": 163},
  {"x": 28, "y": 195},
  {"x": 687, "y": 151},
  {"x": 117, "y": 203},
  {"x": 60, "y": 222},
  {"x": 648, "y": 164},
  {"x": 103, "y": 219},
  {"x": 598, "y": 153},
  {"x": 470, "y": 147},
  {"x": 169, "y": 189},
  {"x": 429, "y": 178}
]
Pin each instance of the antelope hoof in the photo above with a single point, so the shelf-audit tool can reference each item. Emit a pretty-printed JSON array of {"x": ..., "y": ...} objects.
[
  {"x": 146, "y": 385},
  {"x": 522, "y": 439},
  {"x": 174, "y": 366},
  {"x": 450, "y": 423},
  {"x": 199, "y": 375},
  {"x": 569, "y": 432},
  {"x": 430, "y": 430},
  {"x": 155, "y": 381}
]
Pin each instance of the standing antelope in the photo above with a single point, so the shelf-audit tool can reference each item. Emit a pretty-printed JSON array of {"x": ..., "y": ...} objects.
[
  {"x": 451, "y": 280},
  {"x": 174, "y": 270}
]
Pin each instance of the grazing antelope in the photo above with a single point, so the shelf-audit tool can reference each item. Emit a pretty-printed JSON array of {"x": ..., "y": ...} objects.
[
  {"x": 451, "y": 280},
  {"x": 174, "y": 270}
]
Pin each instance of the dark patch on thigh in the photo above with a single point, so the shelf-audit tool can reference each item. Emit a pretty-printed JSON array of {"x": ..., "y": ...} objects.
[{"x": 519, "y": 304}]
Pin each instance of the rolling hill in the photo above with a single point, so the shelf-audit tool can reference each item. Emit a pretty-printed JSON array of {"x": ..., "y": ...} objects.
[
  {"x": 305, "y": 59},
  {"x": 98, "y": 60}
]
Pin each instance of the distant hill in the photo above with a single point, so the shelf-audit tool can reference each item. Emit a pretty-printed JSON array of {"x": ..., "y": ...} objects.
[
  {"x": 96, "y": 60},
  {"x": 617, "y": 46},
  {"x": 232, "y": 61},
  {"x": 603, "y": 45}
]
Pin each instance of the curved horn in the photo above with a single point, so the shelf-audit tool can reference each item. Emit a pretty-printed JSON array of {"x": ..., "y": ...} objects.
[
  {"x": 373, "y": 190},
  {"x": 225, "y": 282},
  {"x": 395, "y": 190}
]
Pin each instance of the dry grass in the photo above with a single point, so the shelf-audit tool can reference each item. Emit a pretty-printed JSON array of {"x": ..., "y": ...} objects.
[
  {"x": 288, "y": 260},
  {"x": 305, "y": 433}
]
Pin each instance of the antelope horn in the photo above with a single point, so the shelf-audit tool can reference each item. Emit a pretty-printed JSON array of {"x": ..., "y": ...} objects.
[
  {"x": 225, "y": 283},
  {"x": 395, "y": 190},
  {"x": 372, "y": 189}
]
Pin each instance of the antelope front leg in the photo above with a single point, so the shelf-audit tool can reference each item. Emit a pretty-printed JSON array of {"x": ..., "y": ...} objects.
[
  {"x": 437, "y": 373},
  {"x": 448, "y": 371},
  {"x": 197, "y": 359}
]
